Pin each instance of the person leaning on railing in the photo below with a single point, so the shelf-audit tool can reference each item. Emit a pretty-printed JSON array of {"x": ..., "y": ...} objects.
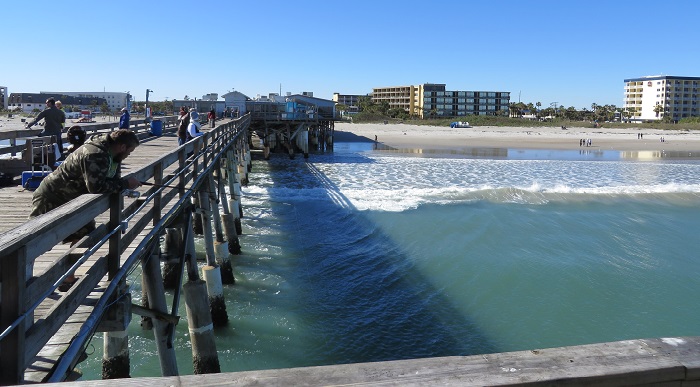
[{"x": 92, "y": 168}]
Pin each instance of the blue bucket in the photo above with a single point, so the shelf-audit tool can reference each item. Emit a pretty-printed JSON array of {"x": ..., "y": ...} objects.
[{"x": 157, "y": 128}]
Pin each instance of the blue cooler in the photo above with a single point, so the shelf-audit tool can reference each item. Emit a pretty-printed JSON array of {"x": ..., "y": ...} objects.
[
  {"x": 157, "y": 128},
  {"x": 32, "y": 179}
]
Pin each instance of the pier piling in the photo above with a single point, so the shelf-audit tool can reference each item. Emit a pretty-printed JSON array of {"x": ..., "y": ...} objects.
[
  {"x": 216, "y": 301},
  {"x": 204, "y": 357}
]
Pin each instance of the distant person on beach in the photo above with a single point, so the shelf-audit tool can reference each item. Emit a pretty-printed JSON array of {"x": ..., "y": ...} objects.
[
  {"x": 193, "y": 127},
  {"x": 93, "y": 168},
  {"x": 53, "y": 122},
  {"x": 124, "y": 119},
  {"x": 212, "y": 118},
  {"x": 183, "y": 124}
]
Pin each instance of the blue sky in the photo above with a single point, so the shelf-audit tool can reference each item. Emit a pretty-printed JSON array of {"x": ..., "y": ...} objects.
[{"x": 570, "y": 52}]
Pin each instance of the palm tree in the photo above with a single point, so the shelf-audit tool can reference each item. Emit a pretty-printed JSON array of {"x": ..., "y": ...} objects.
[{"x": 658, "y": 109}]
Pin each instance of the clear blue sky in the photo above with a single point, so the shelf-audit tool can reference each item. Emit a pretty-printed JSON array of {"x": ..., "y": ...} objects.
[{"x": 571, "y": 52}]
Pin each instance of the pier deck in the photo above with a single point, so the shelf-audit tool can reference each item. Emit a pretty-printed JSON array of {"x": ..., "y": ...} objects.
[{"x": 15, "y": 202}]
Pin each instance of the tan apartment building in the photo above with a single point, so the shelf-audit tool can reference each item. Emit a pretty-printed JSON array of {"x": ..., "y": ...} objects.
[
  {"x": 432, "y": 100},
  {"x": 677, "y": 98}
]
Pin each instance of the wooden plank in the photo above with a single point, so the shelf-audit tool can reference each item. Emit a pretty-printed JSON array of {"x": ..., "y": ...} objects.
[
  {"x": 14, "y": 277},
  {"x": 64, "y": 309}
]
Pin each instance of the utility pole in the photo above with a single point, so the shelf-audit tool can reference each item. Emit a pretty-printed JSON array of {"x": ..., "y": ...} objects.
[{"x": 146, "y": 108}]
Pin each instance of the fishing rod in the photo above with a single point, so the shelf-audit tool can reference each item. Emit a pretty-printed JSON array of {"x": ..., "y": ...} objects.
[{"x": 159, "y": 185}]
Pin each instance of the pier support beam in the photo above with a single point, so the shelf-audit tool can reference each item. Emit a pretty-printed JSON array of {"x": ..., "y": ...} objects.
[
  {"x": 115, "y": 358},
  {"x": 216, "y": 301},
  {"x": 204, "y": 356},
  {"x": 173, "y": 252},
  {"x": 156, "y": 297},
  {"x": 222, "y": 245},
  {"x": 234, "y": 187}
]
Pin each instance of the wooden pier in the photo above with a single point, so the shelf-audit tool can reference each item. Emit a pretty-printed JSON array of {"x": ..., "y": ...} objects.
[{"x": 44, "y": 331}]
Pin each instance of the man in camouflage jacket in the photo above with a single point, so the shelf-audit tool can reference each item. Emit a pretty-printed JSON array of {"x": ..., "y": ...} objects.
[{"x": 92, "y": 168}]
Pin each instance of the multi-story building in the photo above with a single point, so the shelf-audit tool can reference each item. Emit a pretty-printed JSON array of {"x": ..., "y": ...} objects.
[
  {"x": 115, "y": 100},
  {"x": 28, "y": 102},
  {"x": 655, "y": 97},
  {"x": 3, "y": 97},
  {"x": 349, "y": 100},
  {"x": 432, "y": 100}
]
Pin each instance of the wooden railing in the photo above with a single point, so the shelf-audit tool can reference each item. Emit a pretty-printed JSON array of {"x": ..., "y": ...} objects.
[
  {"x": 138, "y": 126},
  {"x": 21, "y": 338}
]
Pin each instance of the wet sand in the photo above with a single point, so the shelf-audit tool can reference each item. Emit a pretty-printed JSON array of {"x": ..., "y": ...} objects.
[{"x": 434, "y": 137}]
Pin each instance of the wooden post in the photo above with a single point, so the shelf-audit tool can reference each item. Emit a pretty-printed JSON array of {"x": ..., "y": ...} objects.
[
  {"x": 13, "y": 273},
  {"x": 234, "y": 187},
  {"x": 173, "y": 252},
  {"x": 190, "y": 251},
  {"x": 234, "y": 245},
  {"x": 115, "y": 358},
  {"x": 204, "y": 356},
  {"x": 216, "y": 301},
  {"x": 198, "y": 221},
  {"x": 156, "y": 297},
  {"x": 305, "y": 142},
  {"x": 146, "y": 323},
  {"x": 220, "y": 244}
]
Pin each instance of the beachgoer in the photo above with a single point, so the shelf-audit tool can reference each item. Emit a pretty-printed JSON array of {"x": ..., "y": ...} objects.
[
  {"x": 59, "y": 106},
  {"x": 93, "y": 168},
  {"x": 212, "y": 118},
  {"x": 124, "y": 119},
  {"x": 183, "y": 124},
  {"x": 193, "y": 127},
  {"x": 76, "y": 138},
  {"x": 53, "y": 121}
]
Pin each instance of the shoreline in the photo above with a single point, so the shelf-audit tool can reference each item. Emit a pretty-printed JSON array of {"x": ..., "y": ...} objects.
[{"x": 533, "y": 138}]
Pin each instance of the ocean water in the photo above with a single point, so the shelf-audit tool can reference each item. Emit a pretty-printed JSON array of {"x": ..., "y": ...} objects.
[{"x": 365, "y": 255}]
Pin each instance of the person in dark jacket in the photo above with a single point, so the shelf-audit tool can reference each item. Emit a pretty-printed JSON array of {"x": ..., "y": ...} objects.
[
  {"x": 124, "y": 119},
  {"x": 53, "y": 122},
  {"x": 92, "y": 168},
  {"x": 183, "y": 123},
  {"x": 211, "y": 117}
]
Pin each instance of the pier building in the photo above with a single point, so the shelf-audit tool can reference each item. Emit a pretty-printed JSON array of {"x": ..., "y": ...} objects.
[{"x": 656, "y": 97}]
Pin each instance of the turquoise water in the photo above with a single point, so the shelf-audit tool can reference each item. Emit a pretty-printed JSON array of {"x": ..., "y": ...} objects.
[{"x": 367, "y": 255}]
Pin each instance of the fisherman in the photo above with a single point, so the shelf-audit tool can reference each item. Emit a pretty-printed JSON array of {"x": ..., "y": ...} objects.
[{"x": 93, "y": 168}]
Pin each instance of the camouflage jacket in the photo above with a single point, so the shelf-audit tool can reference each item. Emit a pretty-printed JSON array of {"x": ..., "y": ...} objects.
[{"x": 90, "y": 169}]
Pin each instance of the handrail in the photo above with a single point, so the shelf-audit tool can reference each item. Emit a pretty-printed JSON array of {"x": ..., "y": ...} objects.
[
  {"x": 138, "y": 126},
  {"x": 40, "y": 234}
]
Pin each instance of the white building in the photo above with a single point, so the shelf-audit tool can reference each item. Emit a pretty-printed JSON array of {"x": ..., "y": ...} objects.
[
  {"x": 235, "y": 102},
  {"x": 677, "y": 97},
  {"x": 115, "y": 100}
]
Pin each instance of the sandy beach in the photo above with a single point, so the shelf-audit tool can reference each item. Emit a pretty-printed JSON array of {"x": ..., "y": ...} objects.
[{"x": 434, "y": 137}]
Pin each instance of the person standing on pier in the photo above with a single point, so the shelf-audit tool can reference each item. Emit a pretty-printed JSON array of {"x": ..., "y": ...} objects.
[
  {"x": 193, "y": 128},
  {"x": 124, "y": 119},
  {"x": 53, "y": 122},
  {"x": 212, "y": 118},
  {"x": 183, "y": 123}
]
